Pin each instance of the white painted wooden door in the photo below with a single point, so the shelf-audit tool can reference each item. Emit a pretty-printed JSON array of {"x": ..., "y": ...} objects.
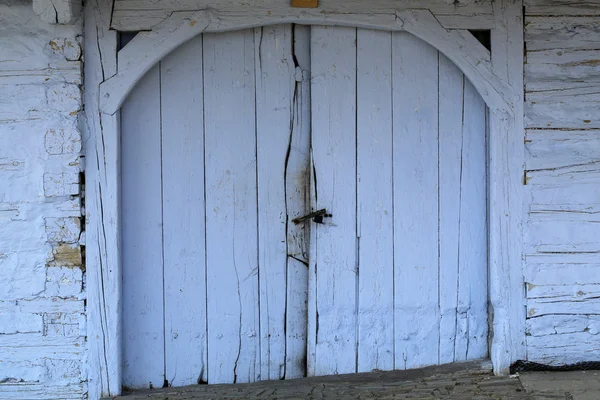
[
  {"x": 399, "y": 272},
  {"x": 216, "y": 163},
  {"x": 215, "y": 146}
]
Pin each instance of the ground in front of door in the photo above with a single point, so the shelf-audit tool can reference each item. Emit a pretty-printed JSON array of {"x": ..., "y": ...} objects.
[{"x": 445, "y": 382}]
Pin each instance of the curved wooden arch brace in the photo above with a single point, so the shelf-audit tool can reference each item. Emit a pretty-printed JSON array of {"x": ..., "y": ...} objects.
[
  {"x": 147, "y": 48},
  {"x": 461, "y": 47}
]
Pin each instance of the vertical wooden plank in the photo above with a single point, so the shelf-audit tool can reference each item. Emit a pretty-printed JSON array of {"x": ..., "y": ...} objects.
[
  {"x": 312, "y": 316},
  {"x": 183, "y": 211},
  {"x": 103, "y": 208},
  {"x": 451, "y": 81},
  {"x": 231, "y": 207},
  {"x": 298, "y": 204},
  {"x": 374, "y": 197},
  {"x": 472, "y": 324},
  {"x": 333, "y": 60},
  {"x": 143, "y": 319},
  {"x": 506, "y": 159},
  {"x": 415, "y": 82},
  {"x": 275, "y": 84}
]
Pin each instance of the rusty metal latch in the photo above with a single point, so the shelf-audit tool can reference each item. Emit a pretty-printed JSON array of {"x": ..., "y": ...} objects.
[{"x": 316, "y": 216}]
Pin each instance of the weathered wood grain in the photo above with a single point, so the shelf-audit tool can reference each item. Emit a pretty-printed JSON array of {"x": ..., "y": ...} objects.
[
  {"x": 184, "y": 215},
  {"x": 561, "y": 69},
  {"x": 333, "y": 60},
  {"x": 560, "y": 273},
  {"x": 275, "y": 85},
  {"x": 142, "y": 15},
  {"x": 506, "y": 158},
  {"x": 103, "y": 224},
  {"x": 563, "y": 109},
  {"x": 472, "y": 296},
  {"x": 297, "y": 181},
  {"x": 554, "y": 149},
  {"x": 231, "y": 219},
  {"x": 375, "y": 217},
  {"x": 561, "y": 33},
  {"x": 563, "y": 292},
  {"x": 562, "y": 236},
  {"x": 549, "y": 325},
  {"x": 565, "y": 349},
  {"x": 561, "y": 7},
  {"x": 143, "y": 279},
  {"x": 451, "y": 89},
  {"x": 415, "y": 171}
]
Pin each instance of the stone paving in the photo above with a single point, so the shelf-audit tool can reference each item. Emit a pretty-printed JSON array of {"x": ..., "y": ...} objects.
[{"x": 461, "y": 381}]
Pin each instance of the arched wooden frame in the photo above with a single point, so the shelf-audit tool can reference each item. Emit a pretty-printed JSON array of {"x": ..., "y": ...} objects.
[{"x": 110, "y": 75}]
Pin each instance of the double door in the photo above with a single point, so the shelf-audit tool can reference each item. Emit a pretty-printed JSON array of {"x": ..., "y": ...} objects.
[{"x": 232, "y": 137}]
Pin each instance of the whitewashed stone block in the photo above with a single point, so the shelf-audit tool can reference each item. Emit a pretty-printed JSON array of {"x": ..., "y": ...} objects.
[
  {"x": 64, "y": 282},
  {"x": 62, "y": 141},
  {"x": 63, "y": 230},
  {"x": 18, "y": 371},
  {"x": 25, "y": 272},
  {"x": 61, "y": 184},
  {"x": 12, "y": 322},
  {"x": 70, "y": 49},
  {"x": 64, "y": 97},
  {"x": 63, "y": 371},
  {"x": 61, "y": 325}
]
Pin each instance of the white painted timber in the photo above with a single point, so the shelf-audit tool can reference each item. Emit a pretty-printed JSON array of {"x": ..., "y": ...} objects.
[
  {"x": 149, "y": 47},
  {"x": 467, "y": 53},
  {"x": 462, "y": 218},
  {"x": 333, "y": 60},
  {"x": 297, "y": 181},
  {"x": 505, "y": 174},
  {"x": 566, "y": 349},
  {"x": 505, "y": 190},
  {"x": 546, "y": 33},
  {"x": 375, "y": 212},
  {"x": 451, "y": 103},
  {"x": 569, "y": 108},
  {"x": 143, "y": 279},
  {"x": 561, "y": 7},
  {"x": 415, "y": 169},
  {"x": 560, "y": 69},
  {"x": 472, "y": 296},
  {"x": 103, "y": 225},
  {"x": 231, "y": 219},
  {"x": 554, "y": 149},
  {"x": 138, "y": 15},
  {"x": 182, "y": 123},
  {"x": 275, "y": 87},
  {"x": 144, "y": 51}
]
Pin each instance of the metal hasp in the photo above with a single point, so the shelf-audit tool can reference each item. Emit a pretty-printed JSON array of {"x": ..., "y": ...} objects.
[{"x": 317, "y": 216}]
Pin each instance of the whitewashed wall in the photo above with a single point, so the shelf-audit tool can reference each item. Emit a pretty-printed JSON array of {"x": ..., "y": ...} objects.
[
  {"x": 562, "y": 117},
  {"x": 42, "y": 324}
]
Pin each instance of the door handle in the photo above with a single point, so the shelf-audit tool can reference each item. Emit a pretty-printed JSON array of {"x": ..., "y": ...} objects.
[{"x": 316, "y": 216}]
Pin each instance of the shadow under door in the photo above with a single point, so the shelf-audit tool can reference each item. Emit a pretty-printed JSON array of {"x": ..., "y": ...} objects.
[{"x": 230, "y": 138}]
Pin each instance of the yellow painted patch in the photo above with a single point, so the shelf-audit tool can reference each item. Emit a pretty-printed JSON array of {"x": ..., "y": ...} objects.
[{"x": 305, "y": 3}]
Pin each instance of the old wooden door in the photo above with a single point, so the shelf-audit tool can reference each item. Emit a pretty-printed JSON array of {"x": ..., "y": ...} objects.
[
  {"x": 399, "y": 272},
  {"x": 215, "y": 149},
  {"x": 216, "y": 163}
]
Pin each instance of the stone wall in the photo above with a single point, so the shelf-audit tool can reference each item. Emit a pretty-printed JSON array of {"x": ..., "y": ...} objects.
[
  {"x": 562, "y": 116},
  {"x": 42, "y": 302}
]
